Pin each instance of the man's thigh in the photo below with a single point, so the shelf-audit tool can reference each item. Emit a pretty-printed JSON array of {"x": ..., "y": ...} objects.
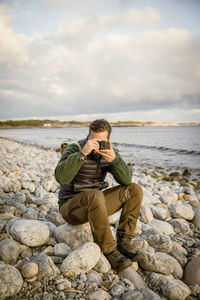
[
  {"x": 114, "y": 198},
  {"x": 73, "y": 211}
]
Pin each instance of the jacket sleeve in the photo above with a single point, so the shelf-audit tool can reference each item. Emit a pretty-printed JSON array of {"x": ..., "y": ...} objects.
[
  {"x": 121, "y": 172},
  {"x": 69, "y": 164}
]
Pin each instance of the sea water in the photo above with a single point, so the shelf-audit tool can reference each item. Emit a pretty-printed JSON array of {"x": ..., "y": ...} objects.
[{"x": 173, "y": 148}]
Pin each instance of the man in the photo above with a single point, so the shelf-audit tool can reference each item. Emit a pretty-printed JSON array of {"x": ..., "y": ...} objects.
[{"x": 84, "y": 195}]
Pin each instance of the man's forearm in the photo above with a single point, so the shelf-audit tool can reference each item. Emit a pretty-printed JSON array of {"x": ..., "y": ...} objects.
[{"x": 69, "y": 165}]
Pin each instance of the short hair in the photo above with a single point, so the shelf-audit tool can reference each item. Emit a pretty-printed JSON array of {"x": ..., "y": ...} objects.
[{"x": 100, "y": 125}]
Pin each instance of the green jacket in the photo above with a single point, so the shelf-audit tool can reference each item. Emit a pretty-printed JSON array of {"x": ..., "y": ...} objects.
[{"x": 70, "y": 163}]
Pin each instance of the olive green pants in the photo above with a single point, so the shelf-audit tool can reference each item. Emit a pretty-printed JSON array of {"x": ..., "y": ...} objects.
[{"x": 95, "y": 206}]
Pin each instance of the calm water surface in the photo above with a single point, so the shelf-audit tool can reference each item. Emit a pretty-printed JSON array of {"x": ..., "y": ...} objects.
[{"x": 168, "y": 147}]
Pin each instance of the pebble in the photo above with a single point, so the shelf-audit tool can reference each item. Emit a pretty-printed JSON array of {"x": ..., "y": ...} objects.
[{"x": 29, "y": 270}]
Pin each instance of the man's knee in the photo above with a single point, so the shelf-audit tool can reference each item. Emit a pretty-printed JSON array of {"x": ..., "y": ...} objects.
[
  {"x": 135, "y": 191},
  {"x": 94, "y": 198}
]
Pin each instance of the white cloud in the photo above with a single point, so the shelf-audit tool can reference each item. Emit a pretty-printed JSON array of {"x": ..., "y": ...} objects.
[
  {"x": 13, "y": 47},
  {"x": 88, "y": 65}
]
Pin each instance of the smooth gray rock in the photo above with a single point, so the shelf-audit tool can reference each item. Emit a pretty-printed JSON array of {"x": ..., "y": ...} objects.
[
  {"x": 160, "y": 242},
  {"x": 159, "y": 262},
  {"x": 32, "y": 233},
  {"x": 169, "y": 198},
  {"x": 134, "y": 277},
  {"x": 179, "y": 257},
  {"x": 149, "y": 294},
  {"x": 100, "y": 295},
  {"x": 156, "y": 280},
  {"x": 132, "y": 295},
  {"x": 46, "y": 266},
  {"x": 81, "y": 260},
  {"x": 192, "y": 271},
  {"x": 73, "y": 236},
  {"x": 10, "y": 281},
  {"x": 175, "y": 290},
  {"x": 21, "y": 207},
  {"x": 9, "y": 251}
]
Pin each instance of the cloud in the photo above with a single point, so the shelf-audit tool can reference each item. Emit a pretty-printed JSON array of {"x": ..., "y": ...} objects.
[
  {"x": 99, "y": 65},
  {"x": 13, "y": 47}
]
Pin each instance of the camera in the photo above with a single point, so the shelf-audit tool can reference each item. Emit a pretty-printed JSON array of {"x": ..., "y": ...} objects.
[{"x": 104, "y": 145}]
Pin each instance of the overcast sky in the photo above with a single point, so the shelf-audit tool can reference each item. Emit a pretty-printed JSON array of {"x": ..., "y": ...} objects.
[{"x": 133, "y": 60}]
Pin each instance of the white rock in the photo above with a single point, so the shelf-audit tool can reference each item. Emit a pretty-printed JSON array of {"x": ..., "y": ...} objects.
[
  {"x": 32, "y": 233},
  {"x": 169, "y": 198},
  {"x": 81, "y": 260},
  {"x": 160, "y": 242},
  {"x": 103, "y": 265},
  {"x": 184, "y": 211},
  {"x": 196, "y": 220},
  {"x": 146, "y": 215},
  {"x": 160, "y": 213},
  {"x": 163, "y": 226},
  {"x": 114, "y": 217}
]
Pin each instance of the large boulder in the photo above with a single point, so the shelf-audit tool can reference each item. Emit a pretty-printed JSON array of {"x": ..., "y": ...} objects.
[
  {"x": 175, "y": 290},
  {"x": 73, "y": 236},
  {"x": 81, "y": 260},
  {"x": 159, "y": 262},
  {"x": 10, "y": 281},
  {"x": 182, "y": 211},
  {"x": 160, "y": 242},
  {"x": 192, "y": 272},
  {"x": 32, "y": 233}
]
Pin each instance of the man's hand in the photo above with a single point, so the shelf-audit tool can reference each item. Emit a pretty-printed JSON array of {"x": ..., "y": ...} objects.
[
  {"x": 109, "y": 154},
  {"x": 90, "y": 146}
]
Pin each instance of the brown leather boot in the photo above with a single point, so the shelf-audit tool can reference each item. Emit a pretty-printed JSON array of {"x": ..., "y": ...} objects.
[
  {"x": 125, "y": 247},
  {"x": 118, "y": 261}
]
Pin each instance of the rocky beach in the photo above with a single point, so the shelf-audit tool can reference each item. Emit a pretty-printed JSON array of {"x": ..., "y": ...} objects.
[{"x": 43, "y": 257}]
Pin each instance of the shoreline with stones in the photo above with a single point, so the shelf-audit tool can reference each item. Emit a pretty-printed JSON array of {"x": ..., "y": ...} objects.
[{"x": 43, "y": 257}]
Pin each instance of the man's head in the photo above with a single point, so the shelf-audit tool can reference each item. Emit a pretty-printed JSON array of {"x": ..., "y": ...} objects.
[{"x": 100, "y": 128}]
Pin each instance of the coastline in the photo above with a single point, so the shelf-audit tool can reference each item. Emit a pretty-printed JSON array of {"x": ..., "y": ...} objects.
[
  {"x": 76, "y": 124},
  {"x": 169, "y": 224}
]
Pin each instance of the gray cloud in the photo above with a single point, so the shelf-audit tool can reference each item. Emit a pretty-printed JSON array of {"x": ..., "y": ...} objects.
[{"x": 89, "y": 66}]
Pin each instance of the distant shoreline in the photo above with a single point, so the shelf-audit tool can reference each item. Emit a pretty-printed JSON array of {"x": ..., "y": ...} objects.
[{"x": 23, "y": 124}]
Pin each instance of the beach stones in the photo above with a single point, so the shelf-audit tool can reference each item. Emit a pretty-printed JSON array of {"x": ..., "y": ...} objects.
[
  {"x": 160, "y": 242},
  {"x": 46, "y": 266},
  {"x": 162, "y": 226},
  {"x": 146, "y": 215},
  {"x": 196, "y": 220},
  {"x": 9, "y": 251},
  {"x": 29, "y": 270},
  {"x": 192, "y": 271},
  {"x": 184, "y": 211},
  {"x": 81, "y": 260},
  {"x": 175, "y": 289},
  {"x": 159, "y": 262},
  {"x": 30, "y": 232},
  {"x": 73, "y": 236},
  {"x": 10, "y": 280}
]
